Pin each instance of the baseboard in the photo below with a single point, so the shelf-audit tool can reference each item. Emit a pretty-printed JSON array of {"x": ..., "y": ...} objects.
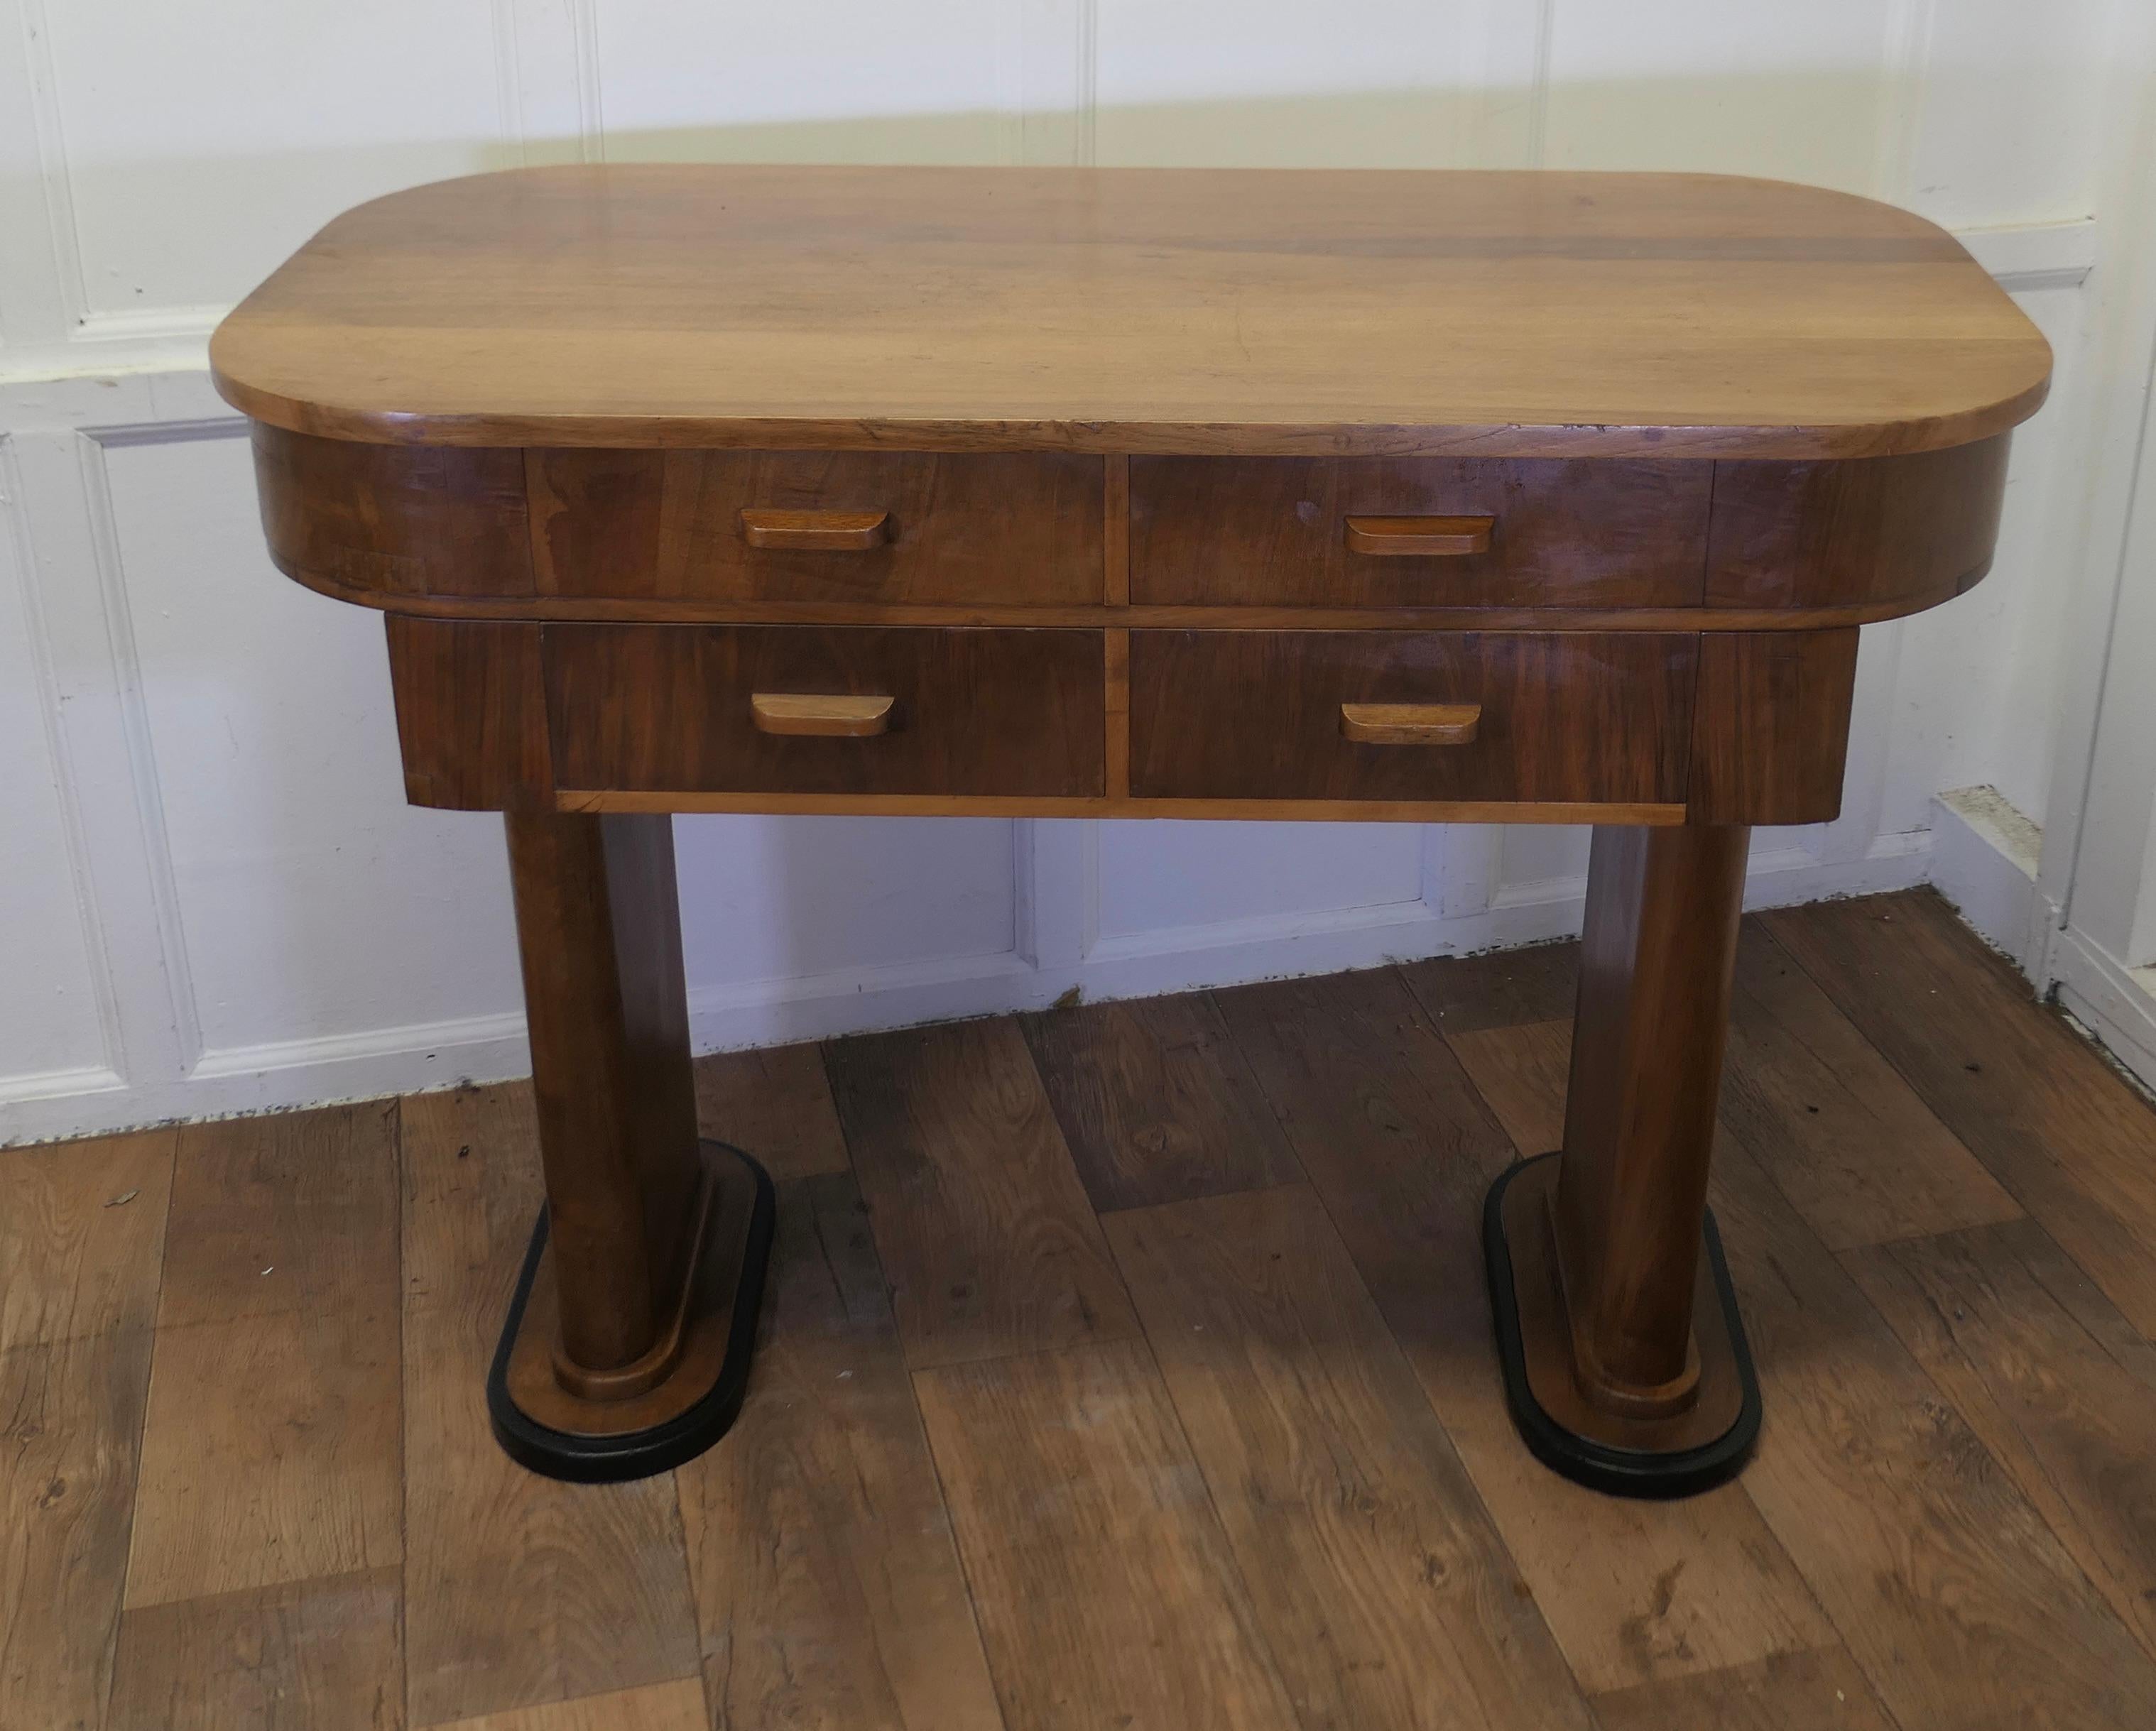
[
  {"x": 1271, "y": 946},
  {"x": 275, "y": 1076},
  {"x": 2113, "y": 1000},
  {"x": 820, "y": 1007},
  {"x": 487, "y": 1040},
  {"x": 1983, "y": 861},
  {"x": 1900, "y": 860},
  {"x": 282, "y": 1075},
  {"x": 1534, "y": 913},
  {"x": 1984, "y": 856}
]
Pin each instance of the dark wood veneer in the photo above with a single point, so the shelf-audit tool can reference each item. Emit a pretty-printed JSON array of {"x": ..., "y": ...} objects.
[
  {"x": 433, "y": 526},
  {"x": 1771, "y": 725},
  {"x": 1273, "y": 531},
  {"x": 1656, "y": 958},
  {"x": 471, "y": 714},
  {"x": 975, "y": 712},
  {"x": 1022, "y": 527},
  {"x": 396, "y": 519},
  {"x": 1256, "y": 715},
  {"x": 598, "y": 930},
  {"x": 1906, "y": 531}
]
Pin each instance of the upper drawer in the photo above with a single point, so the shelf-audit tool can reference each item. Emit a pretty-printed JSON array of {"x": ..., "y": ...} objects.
[
  {"x": 1596, "y": 718},
  {"x": 1276, "y": 531},
  {"x": 1019, "y": 529},
  {"x": 758, "y": 708}
]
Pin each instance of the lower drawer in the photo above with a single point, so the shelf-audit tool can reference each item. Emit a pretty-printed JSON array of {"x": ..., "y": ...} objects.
[
  {"x": 748, "y": 710},
  {"x": 1586, "y": 717}
]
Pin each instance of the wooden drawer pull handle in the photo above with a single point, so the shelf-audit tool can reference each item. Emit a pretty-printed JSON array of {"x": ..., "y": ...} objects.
[
  {"x": 816, "y": 531},
  {"x": 1410, "y": 724},
  {"x": 1418, "y": 536},
  {"x": 831, "y": 718}
]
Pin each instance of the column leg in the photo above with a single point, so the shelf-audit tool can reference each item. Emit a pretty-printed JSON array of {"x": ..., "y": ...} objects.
[
  {"x": 1624, "y": 1357},
  {"x": 627, "y": 1345}
]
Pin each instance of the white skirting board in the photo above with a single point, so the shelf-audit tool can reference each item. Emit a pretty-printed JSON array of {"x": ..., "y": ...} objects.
[
  {"x": 1980, "y": 853},
  {"x": 2116, "y": 1003},
  {"x": 410, "y": 1058},
  {"x": 1983, "y": 861}
]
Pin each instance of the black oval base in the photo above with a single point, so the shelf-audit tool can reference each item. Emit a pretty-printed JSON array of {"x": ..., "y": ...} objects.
[
  {"x": 1619, "y": 1472},
  {"x": 637, "y": 1454}
]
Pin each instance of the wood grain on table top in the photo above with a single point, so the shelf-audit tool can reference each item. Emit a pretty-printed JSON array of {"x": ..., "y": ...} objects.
[{"x": 1256, "y": 312}]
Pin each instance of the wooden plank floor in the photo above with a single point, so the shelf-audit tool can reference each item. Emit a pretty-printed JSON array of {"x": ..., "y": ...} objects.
[{"x": 1125, "y": 1367}]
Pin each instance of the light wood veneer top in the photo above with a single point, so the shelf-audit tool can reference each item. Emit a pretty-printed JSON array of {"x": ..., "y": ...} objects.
[{"x": 1135, "y": 310}]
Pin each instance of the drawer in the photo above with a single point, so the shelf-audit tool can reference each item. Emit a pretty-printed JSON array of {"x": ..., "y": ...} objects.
[
  {"x": 675, "y": 709},
  {"x": 1276, "y": 531},
  {"x": 774, "y": 526},
  {"x": 1596, "y": 717}
]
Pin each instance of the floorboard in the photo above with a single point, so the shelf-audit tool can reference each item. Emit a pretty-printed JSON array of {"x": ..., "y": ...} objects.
[
  {"x": 1520, "y": 1073},
  {"x": 2050, "y": 1376},
  {"x": 1857, "y": 1153},
  {"x": 1498, "y": 989},
  {"x": 776, "y": 1105},
  {"x": 1401, "y": 1148},
  {"x": 1960, "y": 1603},
  {"x": 320, "y": 1655},
  {"x": 1108, "y": 1595},
  {"x": 82, "y": 1234},
  {"x": 82, "y": 1227},
  {"x": 519, "y": 1591},
  {"x": 1156, "y": 1102},
  {"x": 1962, "y": 1607},
  {"x": 70, "y": 1439},
  {"x": 985, "y": 1232},
  {"x": 1127, "y": 1366},
  {"x": 280, "y": 1292},
  {"x": 1790, "y": 1692},
  {"x": 825, "y": 1572},
  {"x": 659, "y": 1707},
  {"x": 1383, "y": 1589},
  {"x": 2067, "y": 1137},
  {"x": 1861, "y": 1156}
]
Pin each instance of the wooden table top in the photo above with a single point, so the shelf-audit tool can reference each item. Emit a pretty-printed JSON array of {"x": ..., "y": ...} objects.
[{"x": 1272, "y": 312}]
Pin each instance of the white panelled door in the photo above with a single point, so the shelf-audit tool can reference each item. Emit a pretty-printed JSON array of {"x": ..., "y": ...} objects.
[
  {"x": 2101, "y": 866},
  {"x": 2106, "y": 959}
]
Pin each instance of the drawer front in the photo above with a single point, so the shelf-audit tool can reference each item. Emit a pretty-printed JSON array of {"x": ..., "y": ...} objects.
[
  {"x": 1267, "y": 531},
  {"x": 774, "y": 526},
  {"x": 675, "y": 709},
  {"x": 1602, "y": 718}
]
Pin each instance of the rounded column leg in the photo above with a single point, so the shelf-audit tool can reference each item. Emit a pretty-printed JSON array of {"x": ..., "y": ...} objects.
[
  {"x": 627, "y": 1346},
  {"x": 1625, "y": 1363}
]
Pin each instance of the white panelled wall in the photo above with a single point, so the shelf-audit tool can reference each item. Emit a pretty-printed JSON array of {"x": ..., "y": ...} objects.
[{"x": 211, "y": 895}]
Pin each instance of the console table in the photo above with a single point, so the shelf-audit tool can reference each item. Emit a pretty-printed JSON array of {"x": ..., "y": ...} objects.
[{"x": 1391, "y": 496}]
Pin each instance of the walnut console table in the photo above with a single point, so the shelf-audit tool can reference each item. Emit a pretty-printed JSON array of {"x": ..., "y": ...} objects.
[{"x": 1427, "y": 497}]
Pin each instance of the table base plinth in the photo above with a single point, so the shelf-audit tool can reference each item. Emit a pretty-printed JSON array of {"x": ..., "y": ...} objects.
[
  {"x": 544, "y": 1426},
  {"x": 1686, "y": 1451}
]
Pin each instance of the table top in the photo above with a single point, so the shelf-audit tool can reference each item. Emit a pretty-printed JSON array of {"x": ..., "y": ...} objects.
[{"x": 1255, "y": 312}]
